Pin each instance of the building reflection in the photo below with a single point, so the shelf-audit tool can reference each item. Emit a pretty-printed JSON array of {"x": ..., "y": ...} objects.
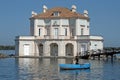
[
  {"x": 28, "y": 68},
  {"x": 42, "y": 69},
  {"x": 38, "y": 68}
]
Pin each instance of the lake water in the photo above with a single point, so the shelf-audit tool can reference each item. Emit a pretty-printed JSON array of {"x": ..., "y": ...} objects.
[
  {"x": 7, "y": 52},
  {"x": 48, "y": 69}
]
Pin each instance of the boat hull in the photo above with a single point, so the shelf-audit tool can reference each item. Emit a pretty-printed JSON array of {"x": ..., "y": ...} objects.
[{"x": 74, "y": 66}]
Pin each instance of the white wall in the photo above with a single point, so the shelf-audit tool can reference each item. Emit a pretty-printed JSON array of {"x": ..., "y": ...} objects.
[
  {"x": 96, "y": 45},
  {"x": 25, "y": 41},
  {"x": 84, "y": 23},
  {"x": 70, "y": 24},
  {"x": 96, "y": 42}
]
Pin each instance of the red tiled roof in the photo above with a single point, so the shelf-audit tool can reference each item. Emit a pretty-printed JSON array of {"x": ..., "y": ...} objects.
[{"x": 64, "y": 13}]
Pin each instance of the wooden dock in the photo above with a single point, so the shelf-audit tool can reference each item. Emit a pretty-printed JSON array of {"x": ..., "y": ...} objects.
[{"x": 106, "y": 54}]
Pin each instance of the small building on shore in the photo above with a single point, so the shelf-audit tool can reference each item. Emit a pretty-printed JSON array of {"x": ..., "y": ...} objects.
[{"x": 58, "y": 31}]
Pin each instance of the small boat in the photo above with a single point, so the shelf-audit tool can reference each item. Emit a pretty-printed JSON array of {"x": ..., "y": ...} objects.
[{"x": 74, "y": 66}]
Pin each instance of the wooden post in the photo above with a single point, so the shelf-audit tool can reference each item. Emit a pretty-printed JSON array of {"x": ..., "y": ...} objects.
[
  {"x": 106, "y": 56},
  {"x": 93, "y": 57},
  {"x": 111, "y": 57},
  {"x": 98, "y": 56}
]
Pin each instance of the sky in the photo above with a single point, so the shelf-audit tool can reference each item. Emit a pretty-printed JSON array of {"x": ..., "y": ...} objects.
[{"x": 104, "y": 17}]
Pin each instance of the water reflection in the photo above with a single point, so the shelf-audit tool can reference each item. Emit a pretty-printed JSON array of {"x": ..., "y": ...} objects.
[
  {"x": 28, "y": 68},
  {"x": 74, "y": 71},
  {"x": 8, "y": 69},
  {"x": 48, "y": 69},
  {"x": 45, "y": 69}
]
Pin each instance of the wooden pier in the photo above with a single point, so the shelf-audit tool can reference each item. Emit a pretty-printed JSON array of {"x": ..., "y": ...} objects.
[{"x": 105, "y": 55}]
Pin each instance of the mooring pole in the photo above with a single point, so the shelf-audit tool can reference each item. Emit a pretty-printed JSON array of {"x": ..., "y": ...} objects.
[
  {"x": 98, "y": 56},
  {"x": 106, "y": 56},
  {"x": 111, "y": 57}
]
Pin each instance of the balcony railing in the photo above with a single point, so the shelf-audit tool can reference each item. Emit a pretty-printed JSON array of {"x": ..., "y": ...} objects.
[
  {"x": 62, "y": 37},
  {"x": 54, "y": 37},
  {"x": 85, "y": 37}
]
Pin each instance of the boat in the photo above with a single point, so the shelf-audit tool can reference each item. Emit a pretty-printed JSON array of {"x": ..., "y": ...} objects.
[{"x": 74, "y": 66}]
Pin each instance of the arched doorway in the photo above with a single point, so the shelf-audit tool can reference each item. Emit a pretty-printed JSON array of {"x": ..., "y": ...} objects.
[
  {"x": 69, "y": 49},
  {"x": 53, "y": 49},
  {"x": 40, "y": 48}
]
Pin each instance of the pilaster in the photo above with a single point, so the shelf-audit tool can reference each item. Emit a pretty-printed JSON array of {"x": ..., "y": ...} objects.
[
  {"x": 46, "y": 49},
  {"x": 61, "y": 50},
  {"x": 77, "y": 27}
]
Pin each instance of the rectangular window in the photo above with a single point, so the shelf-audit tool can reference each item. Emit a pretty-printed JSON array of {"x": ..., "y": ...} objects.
[
  {"x": 39, "y": 32},
  {"x": 73, "y": 32},
  {"x": 83, "y": 49},
  {"x": 65, "y": 29},
  {"x": 56, "y": 13},
  {"x": 55, "y": 32},
  {"x": 26, "y": 49},
  {"x": 82, "y": 31}
]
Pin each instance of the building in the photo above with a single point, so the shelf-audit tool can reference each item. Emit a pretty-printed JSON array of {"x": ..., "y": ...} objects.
[{"x": 58, "y": 32}]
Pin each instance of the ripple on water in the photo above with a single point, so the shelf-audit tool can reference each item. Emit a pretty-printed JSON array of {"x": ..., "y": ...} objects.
[{"x": 37, "y": 69}]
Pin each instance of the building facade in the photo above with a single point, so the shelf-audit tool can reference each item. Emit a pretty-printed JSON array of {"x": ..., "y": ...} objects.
[{"x": 58, "y": 32}]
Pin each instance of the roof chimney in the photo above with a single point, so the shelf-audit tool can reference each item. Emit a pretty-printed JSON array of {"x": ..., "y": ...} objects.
[
  {"x": 85, "y": 13},
  {"x": 44, "y": 8},
  {"x": 74, "y": 8},
  {"x": 33, "y": 13}
]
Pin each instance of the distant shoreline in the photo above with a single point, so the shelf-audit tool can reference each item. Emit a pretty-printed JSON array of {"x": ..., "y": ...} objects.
[{"x": 7, "y": 47}]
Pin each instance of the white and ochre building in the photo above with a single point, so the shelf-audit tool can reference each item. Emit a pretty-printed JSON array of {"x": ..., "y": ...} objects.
[{"x": 58, "y": 32}]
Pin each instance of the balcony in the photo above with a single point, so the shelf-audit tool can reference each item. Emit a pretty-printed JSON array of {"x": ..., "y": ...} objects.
[{"x": 85, "y": 37}]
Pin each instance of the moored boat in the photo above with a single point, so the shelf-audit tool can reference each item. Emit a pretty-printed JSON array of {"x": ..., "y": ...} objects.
[{"x": 74, "y": 66}]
